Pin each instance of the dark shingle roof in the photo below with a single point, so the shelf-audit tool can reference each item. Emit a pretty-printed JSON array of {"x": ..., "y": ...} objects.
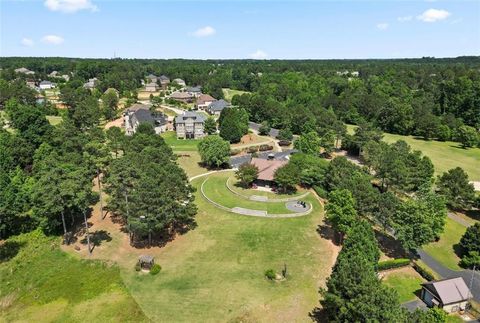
[
  {"x": 218, "y": 105},
  {"x": 189, "y": 114}
]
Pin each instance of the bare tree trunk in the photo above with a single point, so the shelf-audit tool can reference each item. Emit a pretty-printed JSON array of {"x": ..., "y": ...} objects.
[
  {"x": 87, "y": 232},
  {"x": 64, "y": 229},
  {"x": 100, "y": 194}
]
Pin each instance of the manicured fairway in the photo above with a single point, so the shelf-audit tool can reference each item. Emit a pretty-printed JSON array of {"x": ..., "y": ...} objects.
[
  {"x": 444, "y": 155},
  {"x": 443, "y": 250},
  {"x": 229, "y": 93},
  {"x": 215, "y": 273}
]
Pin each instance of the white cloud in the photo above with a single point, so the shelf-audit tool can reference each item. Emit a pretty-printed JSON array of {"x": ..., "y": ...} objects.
[
  {"x": 405, "y": 18},
  {"x": 27, "y": 42},
  {"x": 70, "y": 6},
  {"x": 259, "y": 54},
  {"x": 204, "y": 32},
  {"x": 382, "y": 26},
  {"x": 432, "y": 15},
  {"x": 52, "y": 39}
]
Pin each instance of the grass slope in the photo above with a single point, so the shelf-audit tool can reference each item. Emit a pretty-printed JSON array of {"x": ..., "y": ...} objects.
[
  {"x": 444, "y": 155},
  {"x": 215, "y": 273},
  {"x": 179, "y": 144},
  {"x": 443, "y": 250},
  {"x": 40, "y": 282}
]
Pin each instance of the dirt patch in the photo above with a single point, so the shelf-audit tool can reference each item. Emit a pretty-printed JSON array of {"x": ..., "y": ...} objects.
[{"x": 115, "y": 123}]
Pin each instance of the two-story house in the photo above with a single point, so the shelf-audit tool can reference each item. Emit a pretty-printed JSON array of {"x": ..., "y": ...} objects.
[{"x": 190, "y": 125}]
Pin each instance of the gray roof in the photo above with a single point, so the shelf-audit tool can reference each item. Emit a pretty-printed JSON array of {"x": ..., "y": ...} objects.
[
  {"x": 448, "y": 291},
  {"x": 164, "y": 78},
  {"x": 195, "y": 89},
  {"x": 218, "y": 105},
  {"x": 46, "y": 83},
  {"x": 189, "y": 114},
  {"x": 144, "y": 115},
  {"x": 151, "y": 76},
  {"x": 146, "y": 258}
]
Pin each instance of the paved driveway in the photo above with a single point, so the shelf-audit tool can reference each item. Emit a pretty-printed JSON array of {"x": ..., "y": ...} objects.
[
  {"x": 445, "y": 272},
  {"x": 256, "y": 126},
  {"x": 415, "y": 304}
]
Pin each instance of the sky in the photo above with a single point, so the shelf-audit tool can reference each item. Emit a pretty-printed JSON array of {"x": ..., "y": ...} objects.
[{"x": 240, "y": 29}]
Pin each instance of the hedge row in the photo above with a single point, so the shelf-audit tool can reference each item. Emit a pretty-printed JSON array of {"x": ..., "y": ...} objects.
[
  {"x": 393, "y": 263},
  {"x": 424, "y": 272}
]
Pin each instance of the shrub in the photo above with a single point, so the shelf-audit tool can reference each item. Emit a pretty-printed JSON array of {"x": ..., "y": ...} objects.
[
  {"x": 265, "y": 147},
  {"x": 155, "y": 269},
  {"x": 393, "y": 263},
  {"x": 284, "y": 142},
  {"x": 270, "y": 274},
  {"x": 252, "y": 149},
  {"x": 424, "y": 272},
  {"x": 137, "y": 267},
  {"x": 321, "y": 191},
  {"x": 235, "y": 152}
]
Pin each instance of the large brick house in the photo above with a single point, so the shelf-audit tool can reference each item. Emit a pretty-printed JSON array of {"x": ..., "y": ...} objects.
[{"x": 190, "y": 125}]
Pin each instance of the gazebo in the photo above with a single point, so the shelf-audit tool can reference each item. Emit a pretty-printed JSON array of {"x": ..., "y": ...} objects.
[{"x": 146, "y": 261}]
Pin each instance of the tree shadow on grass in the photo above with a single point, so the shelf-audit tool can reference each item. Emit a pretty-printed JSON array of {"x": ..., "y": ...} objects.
[
  {"x": 458, "y": 249},
  {"x": 389, "y": 246},
  {"x": 97, "y": 238},
  {"x": 318, "y": 315},
  {"x": 473, "y": 214},
  {"x": 9, "y": 249},
  {"x": 326, "y": 231}
]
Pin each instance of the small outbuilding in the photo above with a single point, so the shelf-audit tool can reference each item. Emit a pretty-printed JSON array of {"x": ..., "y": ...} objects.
[
  {"x": 450, "y": 294},
  {"x": 146, "y": 261}
]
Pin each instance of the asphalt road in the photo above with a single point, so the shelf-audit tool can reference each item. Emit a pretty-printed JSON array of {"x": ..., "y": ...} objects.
[{"x": 256, "y": 126}]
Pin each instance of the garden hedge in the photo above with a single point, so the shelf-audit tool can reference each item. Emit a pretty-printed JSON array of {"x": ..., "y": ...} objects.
[{"x": 393, "y": 263}]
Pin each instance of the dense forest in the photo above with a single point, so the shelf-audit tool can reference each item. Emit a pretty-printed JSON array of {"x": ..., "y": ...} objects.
[{"x": 432, "y": 98}]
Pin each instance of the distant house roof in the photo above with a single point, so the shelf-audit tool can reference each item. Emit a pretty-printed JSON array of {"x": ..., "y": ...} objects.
[
  {"x": 24, "y": 70},
  {"x": 180, "y": 95},
  {"x": 164, "y": 78},
  {"x": 189, "y": 114},
  {"x": 142, "y": 114},
  {"x": 218, "y": 105},
  {"x": 205, "y": 98},
  {"x": 46, "y": 83},
  {"x": 146, "y": 259},
  {"x": 195, "y": 89},
  {"x": 151, "y": 76},
  {"x": 267, "y": 167},
  {"x": 448, "y": 291},
  {"x": 179, "y": 81},
  {"x": 53, "y": 74}
]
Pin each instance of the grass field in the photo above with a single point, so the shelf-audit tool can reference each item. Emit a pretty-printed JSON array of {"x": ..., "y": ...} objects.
[
  {"x": 233, "y": 184},
  {"x": 215, "y": 273},
  {"x": 39, "y": 282},
  {"x": 229, "y": 93},
  {"x": 216, "y": 190},
  {"x": 444, "y": 155},
  {"x": 179, "y": 144},
  {"x": 189, "y": 161},
  {"x": 406, "y": 281},
  {"x": 443, "y": 250},
  {"x": 54, "y": 120}
]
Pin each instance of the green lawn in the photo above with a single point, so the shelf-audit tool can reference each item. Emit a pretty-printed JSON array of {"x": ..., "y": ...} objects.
[
  {"x": 406, "y": 282},
  {"x": 216, "y": 190},
  {"x": 443, "y": 249},
  {"x": 54, "y": 120},
  {"x": 189, "y": 161},
  {"x": 229, "y": 93},
  {"x": 215, "y": 273},
  {"x": 40, "y": 282},
  {"x": 179, "y": 144},
  {"x": 444, "y": 155},
  {"x": 249, "y": 191}
]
